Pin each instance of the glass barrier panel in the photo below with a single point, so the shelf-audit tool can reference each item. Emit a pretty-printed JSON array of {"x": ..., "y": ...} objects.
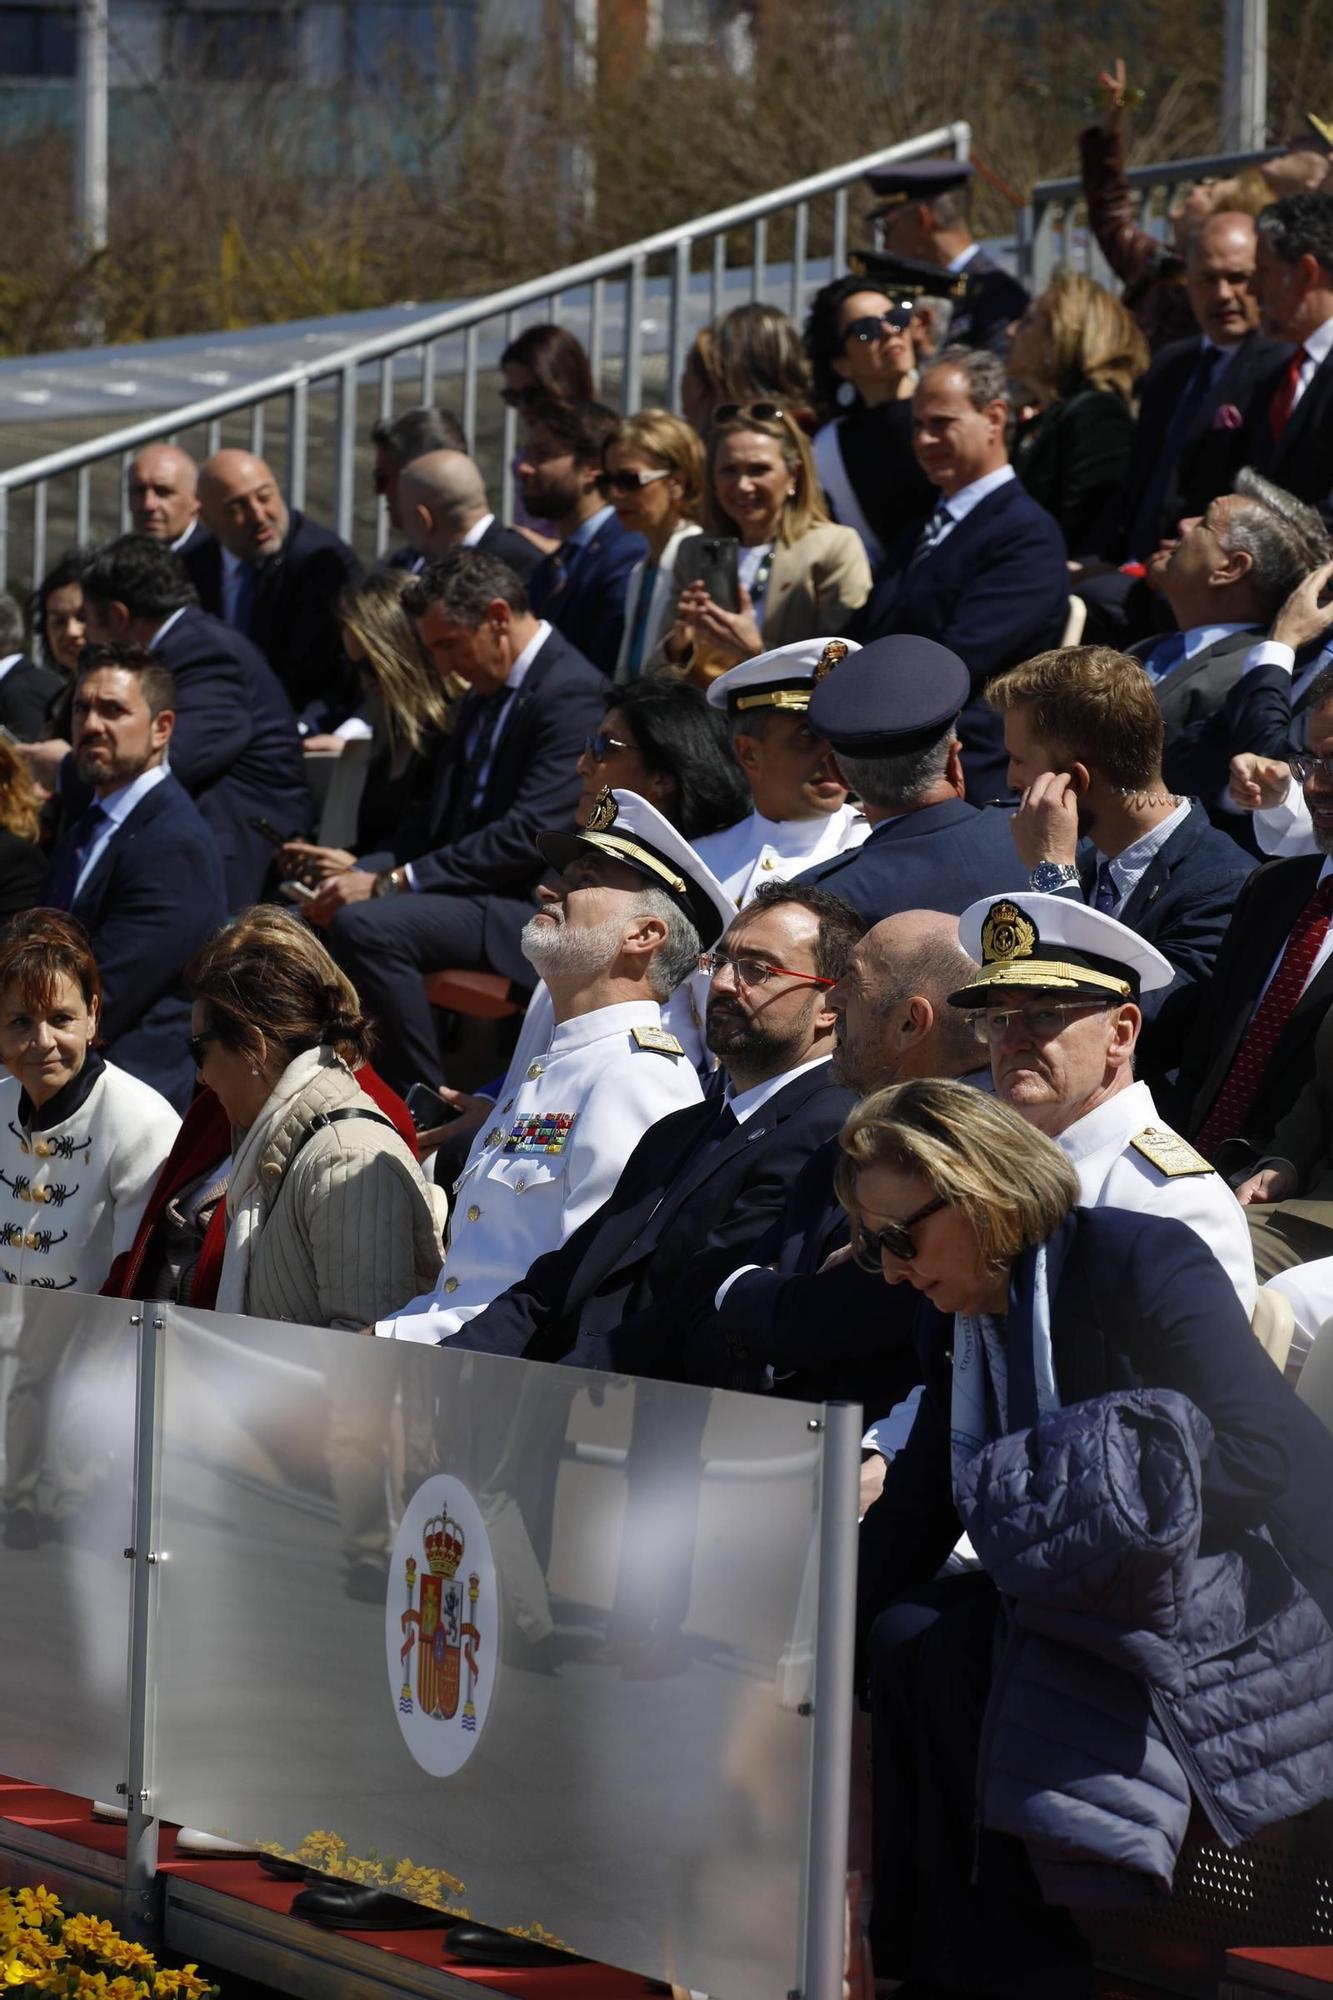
[
  {"x": 530, "y": 1642},
  {"x": 68, "y": 1385}
]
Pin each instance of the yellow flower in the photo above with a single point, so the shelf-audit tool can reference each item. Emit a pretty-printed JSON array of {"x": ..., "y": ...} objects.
[
  {"x": 94, "y": 1937},
  {"x": 36, "y": 1906},
  {"x": 129, "y": 1956},
  {"x": 184, "y": 1984}
]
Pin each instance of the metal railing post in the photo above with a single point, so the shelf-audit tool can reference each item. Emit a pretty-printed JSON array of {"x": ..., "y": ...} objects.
[
  {"x": 298, "y": 417},
  {"x": 141, "y": 1831},
  {"x": 427, "y": 372},
  {"x": 509, "y": 433},
  {"x": 759, "y": 257},
  {"x": 717, "y": 296},
  {"x": 4, "y": 538},
  {"x": 40, "y": 496},
  {"x": 631, "y": 387},
  {"x": 678, "y": 338},
  {"x": 800, "y": 234},
  {"x": 83, "y": 504},
  {"x": 831, "y": 1736},
  {"x": 344, "y": 453},
  {"x": 597, "y": 331},
  {"x": 468, "y": 413}
]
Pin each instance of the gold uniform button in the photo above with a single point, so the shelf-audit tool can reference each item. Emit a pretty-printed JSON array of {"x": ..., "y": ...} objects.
[
  {"x": 493, "y": 1136},
  {"x": 24, "y": 1147},
  {"x": 474, "y": 1213},
  {"x": 42, "y": 1150},
  {"x": 519, "y": 1186},
  {"x": 451, "y": 1284},
  {"x": 768, "y": 862},
  {"x": 534, "y": 1071}
]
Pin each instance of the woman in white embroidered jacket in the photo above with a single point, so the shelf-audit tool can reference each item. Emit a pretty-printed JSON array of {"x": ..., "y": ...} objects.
[
  {"x": 329, "y": 1222},
  {"x": 81, "y": 1143}
]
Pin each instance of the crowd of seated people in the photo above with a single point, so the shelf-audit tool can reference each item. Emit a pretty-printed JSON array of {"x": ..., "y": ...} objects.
[{"x": 912, "y": 1003}]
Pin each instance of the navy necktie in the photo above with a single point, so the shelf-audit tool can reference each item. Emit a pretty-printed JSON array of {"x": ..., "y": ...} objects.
[
  {"x": 1106, "y": 895},
  {"x": 245, "y": 598},
  {"x": 932, "y": 534},
  {"x": 71, "y": 855}
]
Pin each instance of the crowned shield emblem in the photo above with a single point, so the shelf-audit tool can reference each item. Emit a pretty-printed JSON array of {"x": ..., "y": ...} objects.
[
  {"x": 441, "y": 1624},
  {"x": 836, "y": 649},
  {"x": 1007, "y": 934},
  {"x": 604, "y": 813}
]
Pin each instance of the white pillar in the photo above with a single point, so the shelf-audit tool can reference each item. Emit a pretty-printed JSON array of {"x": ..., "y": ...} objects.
[
  {"x": 1245, "y": 88},
  {"x": 90, "y": 197}
]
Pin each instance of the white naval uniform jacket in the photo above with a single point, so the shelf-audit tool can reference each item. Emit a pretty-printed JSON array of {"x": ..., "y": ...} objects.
[
  {"x": 1112, "y": 1174},
  {"x": 758, "y": 850},
  {"x": 515, "y": 1200}
]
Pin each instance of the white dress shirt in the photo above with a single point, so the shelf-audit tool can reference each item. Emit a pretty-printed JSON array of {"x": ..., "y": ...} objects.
[
  {"x": 758, "y": 850},
  {"x": 960, "y": 504},
  {"x": 1129, "y": 867},
  {"x": 1318, "y": 346}
]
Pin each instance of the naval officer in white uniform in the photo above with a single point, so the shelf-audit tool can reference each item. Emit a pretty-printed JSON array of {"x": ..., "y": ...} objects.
[
  {"x": 1056, "y": 1007},
  {"x": 634, "y": 909},
  {"x": 801, "y": 815}
]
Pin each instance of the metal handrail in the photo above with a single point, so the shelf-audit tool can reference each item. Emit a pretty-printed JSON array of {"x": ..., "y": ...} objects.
[
  {"x": 1053, "y": 211},
  {"x": 628, "y": 264}
]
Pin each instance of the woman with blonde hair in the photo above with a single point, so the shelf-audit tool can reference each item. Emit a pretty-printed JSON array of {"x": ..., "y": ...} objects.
[
  {"x": 1095, "y": 1412},
  {"x": 409, "y": 710},
  {"x": 799, "y": 573},
  {"x": 329, "y": 1222},
  {"x": 1079, "y": 353},
  {"x": 653, "y": 475},
  {"x": 22, "y": 862}
]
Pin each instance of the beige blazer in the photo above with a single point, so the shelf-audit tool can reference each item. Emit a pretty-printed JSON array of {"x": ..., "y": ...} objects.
[{"x": 814, "y": 586}]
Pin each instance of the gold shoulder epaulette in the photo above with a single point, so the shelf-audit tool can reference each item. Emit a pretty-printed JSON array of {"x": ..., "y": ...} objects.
[
  {"x": 658, "y": 1040},
  {"x": 1169, "y": 1153}
]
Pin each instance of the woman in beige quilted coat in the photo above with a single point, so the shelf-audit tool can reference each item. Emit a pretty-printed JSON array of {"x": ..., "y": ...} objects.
[{"x": 329, "y": 1222}]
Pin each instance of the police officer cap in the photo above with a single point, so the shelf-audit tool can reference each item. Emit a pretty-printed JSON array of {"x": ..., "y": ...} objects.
[
  {"x": 782, "y": 679},
  {"x": 904, "y": 278},
  {"x": 895, "y": 695},
  {"x": 918, "y": 180},
  {"x": 626, "y": 828},
  {"x": 1031, "y": 943}
]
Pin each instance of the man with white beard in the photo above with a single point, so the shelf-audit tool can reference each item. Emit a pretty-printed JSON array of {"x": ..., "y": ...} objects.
[{"x": 634, "y": 908}]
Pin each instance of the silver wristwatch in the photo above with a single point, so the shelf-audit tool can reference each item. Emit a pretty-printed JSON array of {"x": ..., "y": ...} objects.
[
  {"x": 1049, "y": 877},
  {"x": 393, "y": 882}
]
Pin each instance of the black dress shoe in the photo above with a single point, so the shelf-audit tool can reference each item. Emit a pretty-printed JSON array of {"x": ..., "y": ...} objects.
[
  {"x": 478, "y": 1944},
  {"x": 282, "y": 1869},
  {"x": 347, "y": 1906}
]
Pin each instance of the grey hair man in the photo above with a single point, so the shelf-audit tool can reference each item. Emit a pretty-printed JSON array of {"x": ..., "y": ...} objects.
[
  {"x": 162, "y": 488},
  {"x": 442, "y": 505}
]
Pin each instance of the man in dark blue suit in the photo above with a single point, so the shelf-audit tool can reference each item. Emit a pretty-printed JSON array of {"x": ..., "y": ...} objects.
[
  {"x": 711, "y": 1178},
  {"x": 276, "y": 577},
  {"x": 1084, "y": 734},
  {"x": 581, "y": 585},
  {"x": 234, "y": 748},
  {"x": 457, "y": 887},
  {"x": 442, "y": 505},
  {"x": 890, "y": 714},
  {"x": 986, "y": 576},
  {"x": 26, "y": 690},
  {"x": 1290, "y": 434},
  {"x": 140, "y": 870}
]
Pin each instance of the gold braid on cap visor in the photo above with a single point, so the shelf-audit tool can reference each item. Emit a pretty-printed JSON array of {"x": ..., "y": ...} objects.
[
  {"x": 615, "y": 845},
  {"x": 1052, "y": 972},
  {"x": 790, "y": 698}
]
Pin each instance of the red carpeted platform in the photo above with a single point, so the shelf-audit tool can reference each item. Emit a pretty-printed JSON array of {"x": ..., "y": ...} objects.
[
  {"x": 1303, "y": 1971},
  {"x": 69, "y": 1818}
]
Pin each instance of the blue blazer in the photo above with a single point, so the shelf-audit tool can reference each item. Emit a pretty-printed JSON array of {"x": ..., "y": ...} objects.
[
  {"x": 153, "y": 898},
  {"x": 586, "y": 600},
  {"x": 294, "y": 618},
  {"x": 607, "y": 1298},
  {"x": 235, "y": 747},
  {"x": 1137, "y": 1302},
  {"x": 938, "y": 858},
  {"x": 995, "y": 592},
  {"x": 531, "y": 786}
]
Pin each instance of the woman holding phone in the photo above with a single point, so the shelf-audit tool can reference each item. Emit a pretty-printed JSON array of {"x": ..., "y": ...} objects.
[{"x": 797, "y": 573}]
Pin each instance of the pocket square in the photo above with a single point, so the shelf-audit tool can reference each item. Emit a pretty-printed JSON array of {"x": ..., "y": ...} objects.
[{"x": 1226, "y": 417}]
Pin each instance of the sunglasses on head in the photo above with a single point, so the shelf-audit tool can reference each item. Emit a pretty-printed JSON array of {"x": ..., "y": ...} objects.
[
  {"x": 608, "y": 483},
  {"x": 758, "y": 413},
  {"x": 895, "y": 1237}
]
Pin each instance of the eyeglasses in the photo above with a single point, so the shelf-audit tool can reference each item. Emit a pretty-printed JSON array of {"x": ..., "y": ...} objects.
[
  {"x": 1041, "y": 1023},
  {"x": 600, "y": 746},
  {"x": 895, "y": 1237},
  {"x": 755, "y": 971},
  {"x": 522, "y": 399},
  {"x": 866, "y": 330},
  {"x": 196, "y": 1044},
  {"x": 608, "y": 483},
  {"x": 1303, "y": 765},
  {"x": 759, "y": 413}
]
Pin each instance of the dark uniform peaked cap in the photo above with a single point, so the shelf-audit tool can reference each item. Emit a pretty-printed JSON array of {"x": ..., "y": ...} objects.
[{"x": 895, "y": 695}]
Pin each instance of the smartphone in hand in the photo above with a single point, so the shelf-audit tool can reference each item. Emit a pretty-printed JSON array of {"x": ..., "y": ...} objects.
[
  {"x": 427, "y": 1108},
  {"x": 712, "y": 560}
]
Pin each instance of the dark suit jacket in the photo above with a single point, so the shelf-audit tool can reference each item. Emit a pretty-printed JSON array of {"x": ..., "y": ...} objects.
[
  {"x": 1260, "y": 713},
  {"x": 235, "y": 747},
  {"x": 1182, "y": 903},
  {"x": 22, "y": 872},
  {"x": 1136, "y": 1302},
  {"x": 531, "y": 786},
  {"x": 938, "y": 858},
  {"x": 1302, "y": 460},
  {"x": 991, "y": 300},
  {"x": 1268, "y": 905},
  {"x": 1196, "y": 760},
  {"x": 26, "y": 693},
  {"x": 1072, "y": 457},
  {"x": 294, "y": 621},
  {"x": 995, "y": 591},
  {"x": 607, "y": 1298},
  {"x": 586, "y": 601},
  {"x": 153, "y": 898},
  {"x": 1209, "y": 455},
  {"x": 522, "y": 556}
]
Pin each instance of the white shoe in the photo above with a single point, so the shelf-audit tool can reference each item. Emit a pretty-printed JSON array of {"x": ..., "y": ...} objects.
[
  {"x": 116, "y": 1814},
  {"x": 193, "y": 1840}
]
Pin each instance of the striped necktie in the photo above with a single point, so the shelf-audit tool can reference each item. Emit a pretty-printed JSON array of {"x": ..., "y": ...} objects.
[{"x": 936, "y": 528}]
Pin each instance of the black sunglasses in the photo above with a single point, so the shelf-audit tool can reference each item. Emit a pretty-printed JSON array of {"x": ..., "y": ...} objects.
[
  {"x": 197, "y": 1043},
  {"x": 601, "y": 745},
  {"x": 868, "y": 329},
  {"x": 608, "y": 483},
  {"x": 759, "y": 413},
  {"x": 895, "y": 1237}
]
